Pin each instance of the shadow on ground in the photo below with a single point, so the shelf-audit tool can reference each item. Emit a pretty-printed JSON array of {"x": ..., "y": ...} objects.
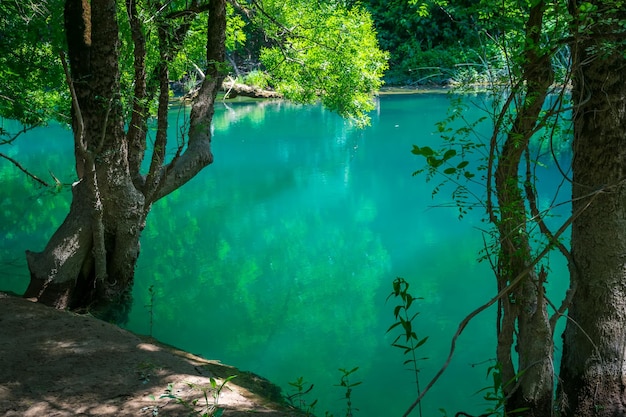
[{"x": 56, "y": 363}]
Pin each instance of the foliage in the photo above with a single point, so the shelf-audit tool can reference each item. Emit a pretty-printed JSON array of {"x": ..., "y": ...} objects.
[
  {"x": 432, "y": 41},
  {"x": 297, "y": 399},
  {"x": 256, "y": 79},
  {"x": 31, "y": 39},
  {"x": 307, "y": 52},
  {"x": 440, "y": 41},
  {"x": 430, "y": 23},
  {"x": 324, "y": 51},
  {"x": 495, "y": 393},
  {"x": 33, "y": 80},
  {"x": 460, "y": 157},
  {"x": 345, "y": 383},
  {"x": 411, "y": 342}
]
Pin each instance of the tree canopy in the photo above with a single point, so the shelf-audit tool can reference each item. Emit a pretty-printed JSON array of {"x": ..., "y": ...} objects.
[
  {"x": 301, "y": 46},
  {"x": 31, "y": 79}
]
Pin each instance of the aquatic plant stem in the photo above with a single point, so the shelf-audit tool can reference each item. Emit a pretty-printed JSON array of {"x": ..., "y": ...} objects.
[
  {"x": 401, "y": 289},
  {"x": 415, "y": 368}
]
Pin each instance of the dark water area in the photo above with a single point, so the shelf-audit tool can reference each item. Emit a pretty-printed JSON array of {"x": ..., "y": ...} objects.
[{"x": 279, "y": 257}]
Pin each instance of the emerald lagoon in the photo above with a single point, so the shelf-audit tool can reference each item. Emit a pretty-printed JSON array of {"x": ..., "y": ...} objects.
[{"x": 279, "y": 257}]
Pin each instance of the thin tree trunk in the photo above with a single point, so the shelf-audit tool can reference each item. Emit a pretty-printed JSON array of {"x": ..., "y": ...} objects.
[{"x": 523, "y": 314}]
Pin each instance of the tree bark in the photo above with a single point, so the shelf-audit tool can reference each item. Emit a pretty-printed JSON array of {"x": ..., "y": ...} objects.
[
  {"x": 89, "y": 262},
  {"x": 593, "y": 369}
]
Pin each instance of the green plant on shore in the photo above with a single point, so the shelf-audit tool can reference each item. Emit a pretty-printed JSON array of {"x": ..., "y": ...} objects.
[
  {"x": 407, "y": 340},
  {"x": 257, "y": 79},
  {"x": 345, "y": 382},
  {"x": 210, "y": 394},
  {"x": 145, "y": 371}
]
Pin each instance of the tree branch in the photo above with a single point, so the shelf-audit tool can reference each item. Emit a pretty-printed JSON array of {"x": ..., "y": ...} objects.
[
  {"x": 24, "y": 170},
  {"x": 12, "y": 139},
  {"x": 138, "y": 126},
  {"x": 198, "y": 154},
  {"x": 171, "y": 40},
  {"x": 160, "y": 144}
]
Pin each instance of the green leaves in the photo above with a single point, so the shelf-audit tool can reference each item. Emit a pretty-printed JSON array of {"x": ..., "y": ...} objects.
[
  {"x": 456, "y": 159},
  {"x": 345, "y": 382},
  {"x": 425, "y": 151},
  {"x": 411, "y": 341},
  {"x": 496, "y": 394},
  {"x": 587, "y": 7},
  {"x": 31, "y": 76},
  {"x": 210, "y": 406},
  {"x": 298, "y": 399},
  {"x": 437, "y": 159},
  {"x": 450, "y": 153},
  {"x": 327, "y": 53},
  {"x": 313, "y": 51}
]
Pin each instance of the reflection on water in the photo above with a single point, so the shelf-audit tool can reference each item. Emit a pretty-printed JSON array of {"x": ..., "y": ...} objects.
[{"x": 279, "y": 257}]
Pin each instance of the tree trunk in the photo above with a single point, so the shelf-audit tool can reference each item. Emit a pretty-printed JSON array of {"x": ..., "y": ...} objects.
[
  {"x": 89, "y": 262},
  {"x": 523, "y": 314},
  {"x": 63, "y": 275},
  {"x": 593, "y": 369},
  {"x": 91, "y": 257}
]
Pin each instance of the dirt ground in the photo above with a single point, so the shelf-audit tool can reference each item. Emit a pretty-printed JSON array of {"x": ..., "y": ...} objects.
[{"x": 57, "y": 363}]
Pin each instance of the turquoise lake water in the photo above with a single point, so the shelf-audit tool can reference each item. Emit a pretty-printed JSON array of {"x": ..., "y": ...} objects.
[{"x": 279, "y": 257}]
